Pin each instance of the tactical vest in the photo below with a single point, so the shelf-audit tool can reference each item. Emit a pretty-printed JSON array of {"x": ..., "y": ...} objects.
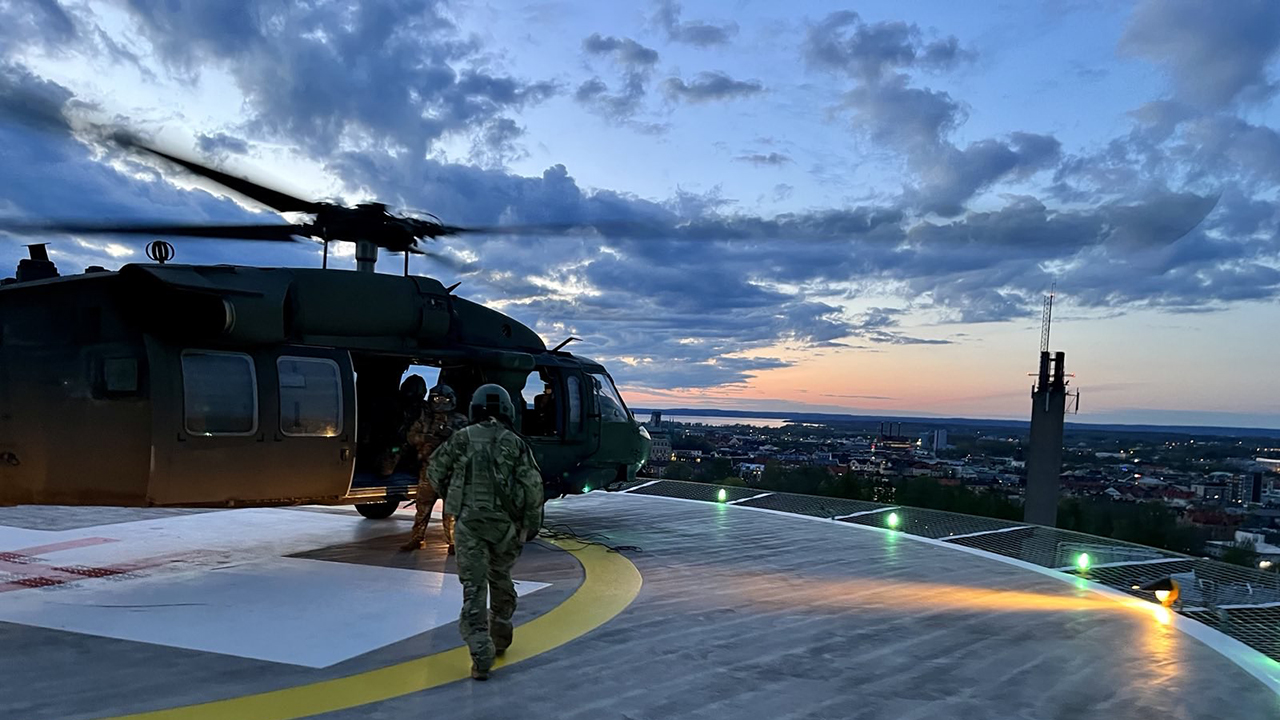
[{"x": 488, "y": 486}]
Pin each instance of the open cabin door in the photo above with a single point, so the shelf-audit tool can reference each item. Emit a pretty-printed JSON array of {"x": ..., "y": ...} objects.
[{"x": 252, "y": 429}]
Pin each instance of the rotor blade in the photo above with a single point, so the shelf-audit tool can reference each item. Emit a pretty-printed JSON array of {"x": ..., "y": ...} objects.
[
  {"x": 283, "y": 202},
  {"x": 631, "y": 228},
  {"x": 280, "y": 233}
]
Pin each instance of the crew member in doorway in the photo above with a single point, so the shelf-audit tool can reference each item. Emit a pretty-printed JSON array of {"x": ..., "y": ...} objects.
[
  {"x": 435, "y": 423},
  {"x": 490, "y": 481},
  {"x": 411, "y": 405},
  {"x": 544, "y": 411}
]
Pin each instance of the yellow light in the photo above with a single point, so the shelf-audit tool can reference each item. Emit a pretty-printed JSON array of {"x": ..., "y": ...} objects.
[{"x": 1162, "y": 595}]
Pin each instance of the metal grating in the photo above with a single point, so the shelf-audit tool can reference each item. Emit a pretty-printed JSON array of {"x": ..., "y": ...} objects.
[
  {"x": 1241, "y": 602},
  {"x": 810, "y": 505},
  {"x": 695, "y": 491},
  {"x": 935, "y": 524}
]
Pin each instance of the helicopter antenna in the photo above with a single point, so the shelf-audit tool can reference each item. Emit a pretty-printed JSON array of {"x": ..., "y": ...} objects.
[
  {"x": 452, "y": 287},
  {"x": 566, "y": 342},
  {"x": 160, "y": 251}
]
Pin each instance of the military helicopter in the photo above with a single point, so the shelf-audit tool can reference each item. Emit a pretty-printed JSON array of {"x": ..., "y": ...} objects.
[{"x": 172, "y": 385}]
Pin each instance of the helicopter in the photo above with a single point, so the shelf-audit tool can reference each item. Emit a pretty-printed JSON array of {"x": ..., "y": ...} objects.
[{"x": 169, "y": 385}]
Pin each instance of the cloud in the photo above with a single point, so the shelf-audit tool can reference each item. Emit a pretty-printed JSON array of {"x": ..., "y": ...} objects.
[
  {"x": 51, "y": 173},
  {"x": 321, "y": 74},
  {"x": 221, "y": 144},
  {"x": 635, "y": 63},
  {"x": 773, "y": 159},
  {"x": 625, "y": 51},
  {"x": 711, "y": 87},
  {"x": 37, "y": 22},
  {"x": 842, "y": 42},
  {"x": 915, "y": 121},
  {"x": 1180, "y": 214},
  {"x": 693, "y": 33},
  {"x": 1216, "y": 53}
]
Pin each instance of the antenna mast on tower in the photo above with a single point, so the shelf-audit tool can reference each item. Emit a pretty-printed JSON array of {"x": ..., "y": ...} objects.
[{"x": 1046, "y": 319}]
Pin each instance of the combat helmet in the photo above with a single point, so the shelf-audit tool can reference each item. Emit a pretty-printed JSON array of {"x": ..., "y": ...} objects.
[
  {"x": 413, "y": 388},
  {"x": 492, "y": 401},
  {"x": 449, "y": 399}
]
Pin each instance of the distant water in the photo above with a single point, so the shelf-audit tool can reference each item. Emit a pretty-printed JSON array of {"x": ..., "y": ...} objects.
[{"x": 723, "y": 421}]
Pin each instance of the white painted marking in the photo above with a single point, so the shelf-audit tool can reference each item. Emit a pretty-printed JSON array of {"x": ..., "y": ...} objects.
[
  {"x": 642, "y": 485},
  {"x": 297, "y": 611},
  {"x": 986, "y": 532},
  {"x": 210, "y": 540},
  {"x": 753, "y": 497},
  {"x": 851, "y": 515},
  {"x": 1266, "y": 670},
  {"x": 1126, "y": 563}
]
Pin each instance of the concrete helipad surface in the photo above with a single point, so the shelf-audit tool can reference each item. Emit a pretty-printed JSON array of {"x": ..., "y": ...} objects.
[{"x": 722, "y": 612}]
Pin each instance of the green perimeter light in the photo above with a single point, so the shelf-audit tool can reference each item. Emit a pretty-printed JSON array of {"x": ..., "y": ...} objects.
[
  {"x": 893, "y": 520},
  {"x": 586, "y": 488},
  {"x": 1082, "y": 561},
  {"x": 720, "y": 496}
]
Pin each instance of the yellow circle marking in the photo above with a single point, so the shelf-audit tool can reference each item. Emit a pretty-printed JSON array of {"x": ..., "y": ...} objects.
[{"x": 611, "y": 582}]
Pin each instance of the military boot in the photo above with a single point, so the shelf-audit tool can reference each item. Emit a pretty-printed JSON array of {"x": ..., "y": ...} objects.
[
  {"x": 501, "y": 632},
  {"x": 477, "y": 673}
]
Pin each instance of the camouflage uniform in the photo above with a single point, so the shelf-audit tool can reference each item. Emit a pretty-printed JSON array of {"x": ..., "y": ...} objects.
[
  {"x": 427, "y": 433},
  {"x": 491, "y": 483}
]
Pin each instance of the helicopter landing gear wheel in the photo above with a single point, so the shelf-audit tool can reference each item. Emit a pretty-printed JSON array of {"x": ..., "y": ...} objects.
[{"x": 378, "y": 510}]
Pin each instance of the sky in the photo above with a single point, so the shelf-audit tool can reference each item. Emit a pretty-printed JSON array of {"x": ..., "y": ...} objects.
[{"x": 861, "y": 205}]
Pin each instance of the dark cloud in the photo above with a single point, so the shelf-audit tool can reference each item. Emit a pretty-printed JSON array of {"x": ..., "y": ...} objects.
[
  {"x": 711, "y": 87},
  {"x": 322, "y": 73},
  {"x": 693, "y": 33},
  {"x": 868, "y": 52},
  {"x": 625, "y": 51},
  {"x": 221, "y": 144},
  {"x": 43, "y": 23},
  {"x": 635, "y": 64},
  {"x": 877, "y": 325},
  {"x": 1216, "y": 53},
  {"x": 917, "y": 122},
  {"x": 951, "y": 175},
  {"x": 912, "y": 119},
  {"x": 765, "y": 159}
]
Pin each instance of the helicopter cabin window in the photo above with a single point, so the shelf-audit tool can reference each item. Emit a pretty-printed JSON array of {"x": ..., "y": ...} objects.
[
  {"x": 219, "y": 393},
  {"x": 575, "y": 402},
  {"x": 612, "y": 409},
  {"x": 310, "y": 397}
]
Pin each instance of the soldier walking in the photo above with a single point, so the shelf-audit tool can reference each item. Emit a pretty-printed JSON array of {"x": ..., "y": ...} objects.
[
  {"x": 492, "y": 485},
  {"x": 436, "y": 422}
]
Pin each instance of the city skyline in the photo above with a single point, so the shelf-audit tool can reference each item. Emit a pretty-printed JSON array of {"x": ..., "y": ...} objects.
[{"x": 865, "y": 207}]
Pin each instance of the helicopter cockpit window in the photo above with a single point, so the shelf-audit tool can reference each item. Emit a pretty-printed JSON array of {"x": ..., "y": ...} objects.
[
  {"x": 310, "y": 397},
  {"x": 219, "y": 393},
  {"x": 612, "y": 409}
]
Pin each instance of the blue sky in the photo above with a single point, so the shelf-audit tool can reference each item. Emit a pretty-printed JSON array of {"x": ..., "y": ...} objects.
[{"x": 865, "y": 202}]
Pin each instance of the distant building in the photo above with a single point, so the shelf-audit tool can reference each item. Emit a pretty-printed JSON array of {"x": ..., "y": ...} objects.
[
  {"x": 938, "y": 440},
  {"x": 660, "y": 449},
  {"x": 1245, "y": 489}
]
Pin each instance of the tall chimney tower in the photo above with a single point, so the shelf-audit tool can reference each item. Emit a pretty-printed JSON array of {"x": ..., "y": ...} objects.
[{"x": 1048, "y": 411}]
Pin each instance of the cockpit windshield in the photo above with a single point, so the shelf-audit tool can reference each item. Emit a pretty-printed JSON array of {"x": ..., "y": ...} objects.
[{"x": 612, "y": 409}]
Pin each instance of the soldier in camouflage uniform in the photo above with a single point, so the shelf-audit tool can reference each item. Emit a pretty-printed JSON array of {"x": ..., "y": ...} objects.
[
  {"x": 492, "y": 485},
  {"x": 436, "y": 422}
]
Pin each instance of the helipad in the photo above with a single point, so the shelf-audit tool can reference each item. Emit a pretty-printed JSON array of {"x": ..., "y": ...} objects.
[{"x": 724, "y": 611}]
